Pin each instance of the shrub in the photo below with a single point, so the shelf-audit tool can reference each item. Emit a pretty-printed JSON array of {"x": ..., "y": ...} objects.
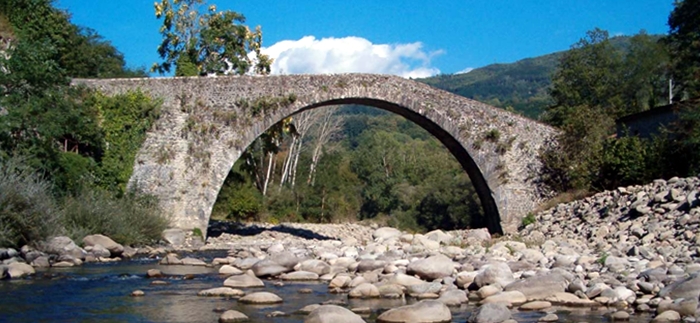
[
  {"x": 130, "y": 220},
  {"x": 528, "y": 219},
  {"x": 28, "y": 212}
]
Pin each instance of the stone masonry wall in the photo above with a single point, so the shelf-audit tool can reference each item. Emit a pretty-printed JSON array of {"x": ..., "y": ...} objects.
[{"x": 206, "y": 123}]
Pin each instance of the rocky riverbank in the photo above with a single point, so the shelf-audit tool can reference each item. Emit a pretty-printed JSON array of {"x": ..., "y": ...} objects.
[{"x": 628, "y": 251}]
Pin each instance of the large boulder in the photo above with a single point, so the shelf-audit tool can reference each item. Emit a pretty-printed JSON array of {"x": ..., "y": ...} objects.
[
  {"x": 285, "y": 259},
  {"x": 114, "y": 248},
  {"x": 267, "y": 268},
  {"x": 315, "y": 266},
  {"x": 19, "y": 270},
  {"x": 494, "y": 273},
  {"x": 490, "y": 313},
  {"x": 453, "y": 297},
  {"x": 332, "y": 314},
  {"x": 539, "y": 287},
  {"x": 431, "y": 268},
  {"x": 175, "y": 237},
  {"x": 688, "y": 288},
  {"x": 260, "y": 298},
  {"x": 427, "y": 311},
  {"x": 364, "y": 290},
  {"x": 64, "y": 246},
  {"x": 231, "y": 316},
  {"x": 243, "y": 281},
  {"x": 385, "y": 233}
]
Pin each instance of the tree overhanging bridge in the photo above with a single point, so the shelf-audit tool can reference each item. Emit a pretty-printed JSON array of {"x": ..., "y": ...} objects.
[{"x": 207, "y": 122}]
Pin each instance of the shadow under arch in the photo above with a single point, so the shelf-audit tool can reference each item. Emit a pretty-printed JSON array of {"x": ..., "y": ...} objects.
[{"x": 491, "y": 215}]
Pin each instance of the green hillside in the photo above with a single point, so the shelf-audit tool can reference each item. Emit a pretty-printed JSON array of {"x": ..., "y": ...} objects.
[{"x": 522, "y": 85}]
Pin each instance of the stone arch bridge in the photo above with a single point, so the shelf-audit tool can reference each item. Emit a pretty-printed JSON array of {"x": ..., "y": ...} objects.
[{"x": 207, "y": 122}]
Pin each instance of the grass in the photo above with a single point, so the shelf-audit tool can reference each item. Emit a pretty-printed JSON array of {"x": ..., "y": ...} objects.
[
  {"x": 29, "y": 213},
  {"x": 130, "y": 220}
]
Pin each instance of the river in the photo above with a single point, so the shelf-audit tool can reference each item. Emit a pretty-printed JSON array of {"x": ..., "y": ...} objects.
[{"x": 101, "y": 293}]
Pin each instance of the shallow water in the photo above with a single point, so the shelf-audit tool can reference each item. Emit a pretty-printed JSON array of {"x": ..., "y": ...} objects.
[{"x": 100, "y": 293}]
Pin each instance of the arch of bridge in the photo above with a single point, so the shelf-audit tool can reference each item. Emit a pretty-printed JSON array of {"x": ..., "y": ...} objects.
[{"x": 206, "y": 123}]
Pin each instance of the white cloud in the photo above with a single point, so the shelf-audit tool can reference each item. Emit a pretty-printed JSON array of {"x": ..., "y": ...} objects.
[
  {"x": 309, "y": 55},
  {"x": 465, "y": 71}
]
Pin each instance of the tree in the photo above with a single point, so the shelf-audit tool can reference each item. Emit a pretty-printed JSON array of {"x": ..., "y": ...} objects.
[
  {"x": 587, "y": 75},
  {"x": 684, "y": 45},
  {"x": 201, "y": 42}
]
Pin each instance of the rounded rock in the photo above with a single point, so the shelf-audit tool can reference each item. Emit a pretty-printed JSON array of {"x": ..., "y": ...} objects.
[
  {"x": 422, "y": 312},
  {"x": 332, "y": 314},
  {"x": 261, "y": 298},
  {"x": 231, "y": 316}
]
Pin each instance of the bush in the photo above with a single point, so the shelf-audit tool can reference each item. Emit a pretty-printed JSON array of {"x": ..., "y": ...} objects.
[
  {"x": 28, "y": 212},
  {"x": 130, "y": 220},
  {"x": 528, "y": 219}
]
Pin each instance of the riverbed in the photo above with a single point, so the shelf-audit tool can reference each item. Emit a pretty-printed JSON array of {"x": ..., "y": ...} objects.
[{"x": 100, "y": 292}]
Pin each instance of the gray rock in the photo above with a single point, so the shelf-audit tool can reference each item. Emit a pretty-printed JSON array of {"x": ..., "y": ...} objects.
[
  {"x": 551, "y": 317},
  {"x": 424, "y": 288},
  {"x": 114, "y": 248},
  {"x": 433, "y": 267},
  {"x": 385, "y": 233},
  {"x": 490, "y": 313},
  {"x": 229, "y": 270},
  {"x": 41, "y": 262},
  {"x": 315, "y": 266},
  {"x": 63, "y": 246},
  {"x": 221, "y": 291},
  {"x": 285, "y": 259},
  {"x": 98, "y": 251},
  {"x": 299, "y": 275},
  {"x": 668, "y": 316},
  {"x": 188, "y": 261},
  {"x": 268, "y": 267},
  {"x": 494, "y": 273},
  {"x": 243, "y": 281},
  {"x": 539, "y": 287},
  {"x": 427, "y": 311},
  {"x": 688, "y": 288},
  {"x": 511, "y": 297},
  {"x": 364, "y": 290},
  {"x": 332, "y": 314},
  {"x": 370, "y": 265},
  {"x": 260, "y": 298},
  {"x": 453, "y": 297},
  {"x": 19, "y": 270},
  {"x": 232, "y": 316},
  {"x": 175, "y": 237}
]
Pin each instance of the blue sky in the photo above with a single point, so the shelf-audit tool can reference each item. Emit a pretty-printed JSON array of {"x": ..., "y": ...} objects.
[{"x": 404, "y": 37}]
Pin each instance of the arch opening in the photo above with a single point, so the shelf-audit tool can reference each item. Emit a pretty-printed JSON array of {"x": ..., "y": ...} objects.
[{"x": 467, "y": 163}]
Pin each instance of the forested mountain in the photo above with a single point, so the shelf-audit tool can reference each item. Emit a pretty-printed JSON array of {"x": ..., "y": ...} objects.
[{"x": 521, "y": 86}]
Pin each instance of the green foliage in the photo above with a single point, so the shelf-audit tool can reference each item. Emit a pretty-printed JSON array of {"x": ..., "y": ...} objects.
[
  {"x": 528, "y": 219},
  {"x": 197, "y": 232},
  {"x": 238, "y": 199},
  {"x": 521, "y": 85},
  {"x": 684, "y": 45},
  {"x": 384, "y": 168},
  {"x": 125, "y": 120},
  {"x": 624, "y": 162},
  {"x": 204, "y": 41},
  {"x": 130, "y": 220},
  {"x": 28, "y": 211},
  {"x": 595, "y": 83}
]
